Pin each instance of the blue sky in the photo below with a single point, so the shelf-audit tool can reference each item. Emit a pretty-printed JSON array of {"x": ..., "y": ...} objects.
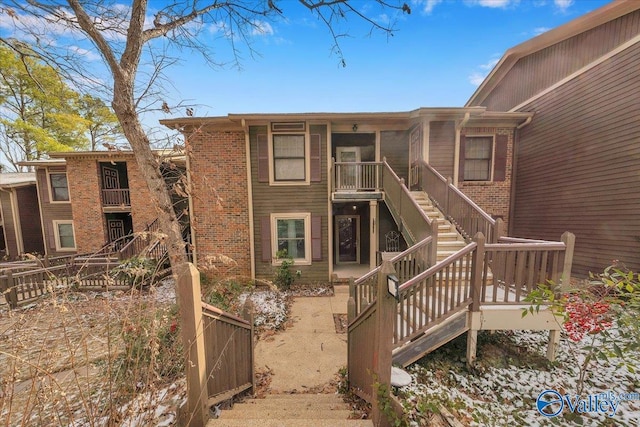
[{"x": 438, "y": 56}]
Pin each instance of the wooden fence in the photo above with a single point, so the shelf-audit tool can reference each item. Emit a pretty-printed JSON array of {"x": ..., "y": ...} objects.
[{"x": 228, "y": 344}]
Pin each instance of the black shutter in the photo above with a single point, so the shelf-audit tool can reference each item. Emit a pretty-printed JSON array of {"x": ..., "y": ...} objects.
[
  {"x": 265, "y": 237},
  {"x": 263, "y": 157},
  {"x": 500, "y": 164},
  {"x": 461, "y": 159},
  {"x": 316, "y": 238}
]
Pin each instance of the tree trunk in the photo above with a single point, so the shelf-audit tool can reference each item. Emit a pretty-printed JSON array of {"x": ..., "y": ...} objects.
[{"x": 123, "y": 106}]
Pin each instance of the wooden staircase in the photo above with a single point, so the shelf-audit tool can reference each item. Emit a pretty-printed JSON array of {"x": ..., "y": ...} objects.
[
  {"x": 449, "y": 240},
  {"x": 290, "y": 410}
]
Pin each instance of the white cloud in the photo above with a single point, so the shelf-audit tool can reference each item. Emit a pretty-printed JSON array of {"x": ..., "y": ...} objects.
[
  {"x": 563, "y": 4},
  {"x": 539, "y": 30},
  {"x": 261, "y": 28},
  {"x": 495, "y": 4},
  {"x": 86, "y": 54},
  {"x": 477, "y": 77},
  {"x": 427, "y": 5}
]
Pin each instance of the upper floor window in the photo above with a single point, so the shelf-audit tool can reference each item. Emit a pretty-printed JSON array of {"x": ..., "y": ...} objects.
[
  {"x": 289, "y": 158},
  {"x": 478, "y": 153},
  {"x": 59, "y": 187}
]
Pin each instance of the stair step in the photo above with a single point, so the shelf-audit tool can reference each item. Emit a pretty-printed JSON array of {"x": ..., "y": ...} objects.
[
  {"x": 305, "y": 396},
  {"x": 286, "y": 413},
  {"x": 277, "y": 404},
  {"x": 289, "y": 423}
]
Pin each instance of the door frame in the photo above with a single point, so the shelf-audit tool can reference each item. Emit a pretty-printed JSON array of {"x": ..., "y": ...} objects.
[{"x": 337, "y": 239}]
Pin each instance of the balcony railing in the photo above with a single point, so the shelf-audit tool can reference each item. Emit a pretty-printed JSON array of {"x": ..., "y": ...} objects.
[
  {"x": 116, "y": 197},
  {"x": 357, "y": 176}
]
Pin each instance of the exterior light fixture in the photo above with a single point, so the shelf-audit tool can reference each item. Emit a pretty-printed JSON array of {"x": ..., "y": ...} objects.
[
  {"x": 393, "y": 285},
  {"x": 355, "y": 127}
]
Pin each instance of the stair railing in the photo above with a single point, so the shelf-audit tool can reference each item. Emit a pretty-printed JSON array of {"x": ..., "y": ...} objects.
[
  {"x": 139, "y": 241},
  {"x": 457, "y": 207},
  {"x": 413, "y": 223},
  {"x": 407, "y": 265}
]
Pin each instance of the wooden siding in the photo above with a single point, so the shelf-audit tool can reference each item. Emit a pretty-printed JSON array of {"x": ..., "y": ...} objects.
[
  {"x": 9, "y": 225},
  {"x": 289, "y": 198},
  {"x": 578, "y": 165},
  {"x": 51, "y": 212},
  {"x": 442, "y": 140},
  {"x": 536, "y": 72},
  {"x": 394, "y": 146},
  {"x": 30, "y": 225}
]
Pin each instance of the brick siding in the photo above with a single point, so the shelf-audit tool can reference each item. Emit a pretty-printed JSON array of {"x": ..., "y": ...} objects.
[
  {"x": 220, "y": 217},
  {"x": 493, "y": 197}
]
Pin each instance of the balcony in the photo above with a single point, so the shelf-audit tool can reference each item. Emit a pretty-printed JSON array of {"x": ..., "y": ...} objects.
[
  {"x": 116, "y": 199},
  {"x": 357, "y": 181}
]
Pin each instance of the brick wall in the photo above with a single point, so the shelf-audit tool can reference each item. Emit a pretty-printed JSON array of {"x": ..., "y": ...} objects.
[
  {"x": 493, "y": 197},
  {"x": 84, "y": 191},
  {"x": 220, "y": 217}
]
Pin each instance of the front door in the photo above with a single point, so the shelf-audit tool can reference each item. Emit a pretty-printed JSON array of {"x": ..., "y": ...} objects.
[
  {"x": 348, "y": 176},
  {"x": 347, "y": 239},
  {"x": 115, "y": 228}
]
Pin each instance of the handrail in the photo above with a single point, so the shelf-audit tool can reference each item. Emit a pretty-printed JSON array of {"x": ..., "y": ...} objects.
[
  {"x": 444, "y": 194},
  {"x": 356, "y": 176},
  {"x": 416, "y": 222}
]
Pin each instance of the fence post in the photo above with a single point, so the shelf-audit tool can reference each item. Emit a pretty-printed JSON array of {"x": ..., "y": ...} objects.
[
  {"x": 193, "y": 342},
  {"x": 12, "y": 294},
  {"x": 351, "y": 303},
  {"x": 383, "y": 343},
  {"x": 498, "y": 230},
  {"x": 569, "y": 239},
  {"x": 477, "y": 261},
  {"x": 247, "y": 314},
  {"x": 433, "y": 252}
]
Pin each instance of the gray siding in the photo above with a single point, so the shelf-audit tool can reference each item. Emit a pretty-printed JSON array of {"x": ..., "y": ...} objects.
[
  {"x": 547, "y": 66},
  {"x": 9, "y": 225},
  {"x": 51, "y": 212},
  {"x": 578, "y": 165},
  {"x": 442, "y": 139},
  {"x": 296, "y": 198},
  {"x": 394, "y": 145}
]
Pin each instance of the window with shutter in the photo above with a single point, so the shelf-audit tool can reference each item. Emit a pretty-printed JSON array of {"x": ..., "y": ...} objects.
[{"x": 291, "y": 232}]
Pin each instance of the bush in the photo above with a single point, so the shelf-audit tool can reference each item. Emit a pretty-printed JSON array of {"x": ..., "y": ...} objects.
[
  {"x": 284, "y": 278},
  {"x": 136, "y": 271}
]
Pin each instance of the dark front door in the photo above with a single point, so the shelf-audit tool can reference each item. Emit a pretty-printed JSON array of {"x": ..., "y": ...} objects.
[
  {"x": 110, "y": 178},
  {"x": 348, "y": 238},
  {"x": 116, "y": 229}
]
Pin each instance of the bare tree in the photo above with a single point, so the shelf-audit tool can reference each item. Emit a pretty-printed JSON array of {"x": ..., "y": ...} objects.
[{"x": 136, "y": 44}]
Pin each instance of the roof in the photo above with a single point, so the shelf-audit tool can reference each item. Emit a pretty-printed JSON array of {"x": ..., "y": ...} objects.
[
  {"x": 584, "y": 23},
  {"x": 43, "y": 162},
  {"x": 238, "y": 122},
  {"x": 17, "y": 179},
  {"x": 60, "y": 156}
]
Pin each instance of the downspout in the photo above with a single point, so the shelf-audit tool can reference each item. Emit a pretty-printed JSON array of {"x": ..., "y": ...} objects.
[
  {"x": 456, "y": 151},
  {"x": 247, "y": 150},
  {"x": 512, "y": 196}
]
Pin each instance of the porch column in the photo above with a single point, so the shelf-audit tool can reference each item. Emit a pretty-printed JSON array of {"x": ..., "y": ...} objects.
[{"x": 373, "y": 233}]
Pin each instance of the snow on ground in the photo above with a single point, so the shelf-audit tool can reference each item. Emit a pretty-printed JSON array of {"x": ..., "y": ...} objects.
[
  {"x": 506, "y": 394},
  {"x": 270, "y": 308}
]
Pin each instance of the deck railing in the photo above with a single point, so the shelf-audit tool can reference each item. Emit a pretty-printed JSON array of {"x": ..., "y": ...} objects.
[
  {"x": 457, "y": 207},
  {"x": 228, "y": 341},
  {"x": 357, "y": 176},
  {"x": 116, "y": 197}
]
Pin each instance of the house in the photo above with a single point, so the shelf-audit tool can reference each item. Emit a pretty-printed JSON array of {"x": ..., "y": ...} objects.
[
  {"x": 88, "y": 200},
  {"x": 107, "y": 199},
  {"x": 577, "y": 163},
  {"x": 54, "y": 206},
  {"x": 313, "y": 183},
  {"x": 21, "y": 227}
]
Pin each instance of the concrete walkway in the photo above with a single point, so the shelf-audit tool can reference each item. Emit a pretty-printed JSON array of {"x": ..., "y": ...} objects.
[{"x": 309, "y": 353}]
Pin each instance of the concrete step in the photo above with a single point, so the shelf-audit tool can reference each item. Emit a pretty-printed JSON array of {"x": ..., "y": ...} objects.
[
  {"x": 289, "y": 423},
  {"x": 290, "y": 410}
]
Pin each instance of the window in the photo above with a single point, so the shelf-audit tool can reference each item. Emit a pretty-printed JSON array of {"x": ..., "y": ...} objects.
[
  {"x": 289, "y": 158},
  {"x": 65, "y": 238},
  {"x": 478, "y": 151},
  {"x": 292, "y": 232},
  {"x": 59, "y": 187}
]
